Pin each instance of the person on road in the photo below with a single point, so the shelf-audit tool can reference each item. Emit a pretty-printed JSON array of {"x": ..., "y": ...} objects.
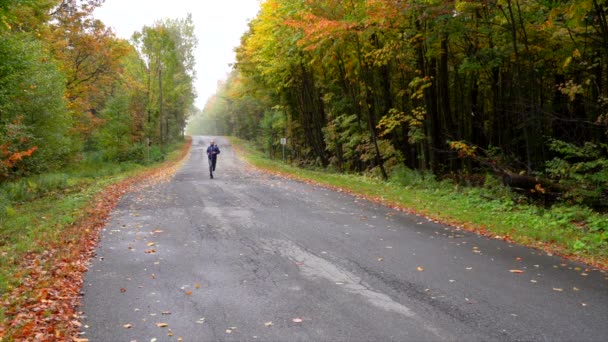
[{"x": 212, "y": 151}]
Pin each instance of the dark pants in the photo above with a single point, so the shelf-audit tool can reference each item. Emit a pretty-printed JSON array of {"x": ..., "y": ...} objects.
[{"x": 213, "y": 161}]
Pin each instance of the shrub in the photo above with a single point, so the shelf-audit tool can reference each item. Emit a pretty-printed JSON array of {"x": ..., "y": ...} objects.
[{"x": 582, "y": 171}]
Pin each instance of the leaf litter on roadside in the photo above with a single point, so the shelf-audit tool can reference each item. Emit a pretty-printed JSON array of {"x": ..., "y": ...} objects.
[{"x": 55, "y": 276}]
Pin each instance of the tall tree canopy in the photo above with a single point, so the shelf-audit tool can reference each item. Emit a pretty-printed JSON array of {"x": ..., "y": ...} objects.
[
  {"x": 69, "y": 86},
  {"x": 369, "y": 85}
]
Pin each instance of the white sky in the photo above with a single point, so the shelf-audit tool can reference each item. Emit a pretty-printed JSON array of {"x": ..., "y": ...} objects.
[{"x": 219, "y": 25}]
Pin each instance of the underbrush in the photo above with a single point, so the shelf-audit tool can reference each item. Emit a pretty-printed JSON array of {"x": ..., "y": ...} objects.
[{"x": 492, "y": 209}]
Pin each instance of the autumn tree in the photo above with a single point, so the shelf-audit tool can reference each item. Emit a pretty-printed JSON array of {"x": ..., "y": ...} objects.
[
  {"x": 167, "y": 51},
  {"x": 370, "y": 85},
  {"x": 90, "y": 57},
  {"x": 33, "y": 112}
]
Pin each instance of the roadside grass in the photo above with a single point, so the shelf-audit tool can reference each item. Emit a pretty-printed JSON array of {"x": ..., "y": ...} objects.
[
  {"x": 571, "y": 231},
  {"x": 35, "y": 211}
]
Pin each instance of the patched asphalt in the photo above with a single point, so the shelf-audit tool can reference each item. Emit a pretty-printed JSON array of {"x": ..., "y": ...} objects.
[{"x": 249, "y": 256}]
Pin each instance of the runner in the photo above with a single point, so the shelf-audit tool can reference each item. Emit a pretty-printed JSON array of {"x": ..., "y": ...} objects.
[{"x": 212, "y": 151}]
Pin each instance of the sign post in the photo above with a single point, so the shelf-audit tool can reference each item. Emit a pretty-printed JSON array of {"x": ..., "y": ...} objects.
[{"x": 283, "y": 143}]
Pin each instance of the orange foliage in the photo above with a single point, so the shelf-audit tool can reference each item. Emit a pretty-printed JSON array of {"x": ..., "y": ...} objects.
[
  {"x": 13, "y": 147},
  {"x": 90, "y": 55}
]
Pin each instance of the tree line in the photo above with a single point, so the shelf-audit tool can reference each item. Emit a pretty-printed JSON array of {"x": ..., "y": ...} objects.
[
  {"x": 516, "y": 87},
  {"x": 70, "y": 89}
]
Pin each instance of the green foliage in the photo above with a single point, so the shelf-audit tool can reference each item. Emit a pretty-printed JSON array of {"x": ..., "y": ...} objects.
[
  {"x": 409, "y": 178},
  {"x": 31, "y": 91},
  {"x": 115, "y": 137},
  {"x": 582, "y": 170},
  {"x": 6, "y": 209},
  {"x": 272, "y": 128}
]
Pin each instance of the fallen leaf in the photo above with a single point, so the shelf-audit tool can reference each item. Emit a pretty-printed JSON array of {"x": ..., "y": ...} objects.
[
  {"x": 150, "y": 244},
  {"x": 516, "y": 271},
  {"x": 518, "y": 259},
  {"x": 419, "y": 268},
  {"x": 162, "y": 325},
  {"x": 188, "y": 293},
  {"x": 150, "y": 251},
  {"x": 123, "y": 290},
  {"x": 127, "y": 326},
  {"x": 76, "y": 339},
  {"x": 297, "y": 320},
  {"x": 268, "y": 324},
  {"x": 198, "y": 285}
]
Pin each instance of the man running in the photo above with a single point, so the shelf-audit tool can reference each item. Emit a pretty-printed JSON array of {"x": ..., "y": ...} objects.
[{"x": 212, "y": 151}]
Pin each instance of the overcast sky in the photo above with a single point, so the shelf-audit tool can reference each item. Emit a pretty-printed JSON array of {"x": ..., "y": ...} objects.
[{"x": 219, "y": 26}]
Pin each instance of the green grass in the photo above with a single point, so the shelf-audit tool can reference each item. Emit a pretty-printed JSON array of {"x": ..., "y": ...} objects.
[
  {"x": 34, "y": 210},
  {"x": 573, "y": 231}
]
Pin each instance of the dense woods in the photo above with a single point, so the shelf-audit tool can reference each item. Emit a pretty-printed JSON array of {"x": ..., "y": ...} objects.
[
  {"x": 71, "y": 90},
  {"x": 515, "y": 87}
]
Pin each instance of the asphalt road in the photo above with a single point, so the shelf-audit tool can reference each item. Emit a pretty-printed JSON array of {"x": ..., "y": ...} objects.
[{"x": 249, "y": 256}]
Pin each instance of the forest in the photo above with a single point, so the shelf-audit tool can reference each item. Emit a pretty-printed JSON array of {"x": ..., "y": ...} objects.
[
  {"x": 71, "y": 91},
  {"x": 513, "y": 88}
]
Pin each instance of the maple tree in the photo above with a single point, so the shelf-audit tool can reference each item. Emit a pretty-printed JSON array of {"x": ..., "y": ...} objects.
[{"x": 90, "y": 57}]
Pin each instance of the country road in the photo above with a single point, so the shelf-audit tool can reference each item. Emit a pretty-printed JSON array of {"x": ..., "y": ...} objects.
[{"x": 249, "y": 256}]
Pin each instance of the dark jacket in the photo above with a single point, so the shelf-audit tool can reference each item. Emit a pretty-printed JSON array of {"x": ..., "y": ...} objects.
[{"x": 213, "y": 151}]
